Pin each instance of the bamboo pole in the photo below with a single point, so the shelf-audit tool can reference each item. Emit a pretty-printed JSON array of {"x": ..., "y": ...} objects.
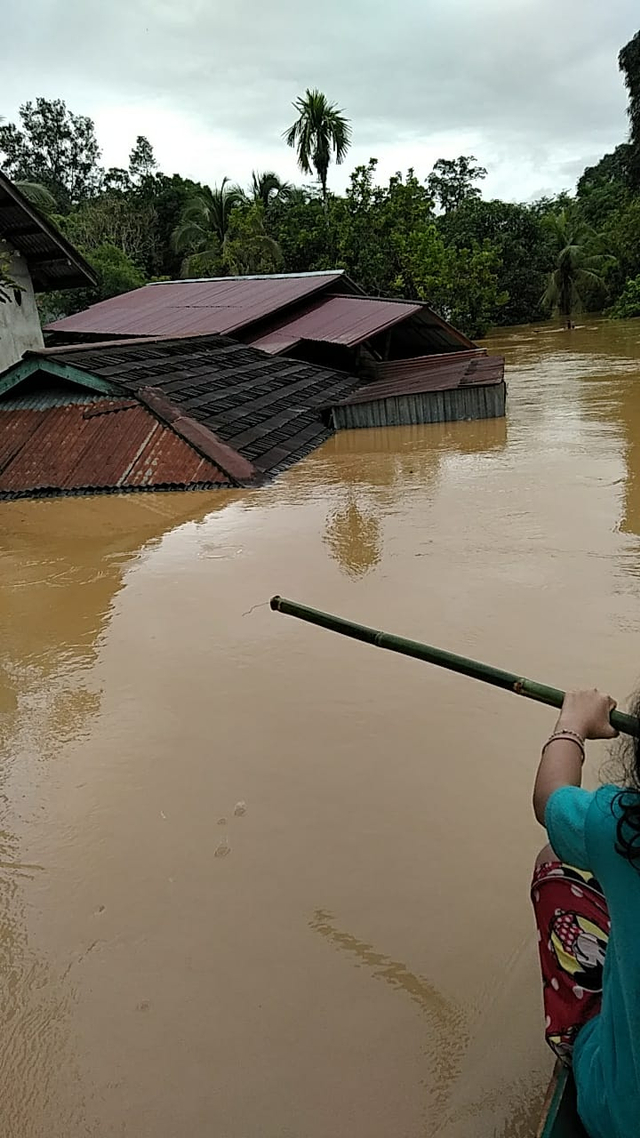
[{"x": 627, "y": 724}]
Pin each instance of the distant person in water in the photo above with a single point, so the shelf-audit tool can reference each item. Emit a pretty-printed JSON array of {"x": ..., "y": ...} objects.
[{"x": 586, "y": 897}]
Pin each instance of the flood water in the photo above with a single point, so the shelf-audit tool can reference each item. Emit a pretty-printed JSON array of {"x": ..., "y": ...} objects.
[{"x": 257, "y": 881}]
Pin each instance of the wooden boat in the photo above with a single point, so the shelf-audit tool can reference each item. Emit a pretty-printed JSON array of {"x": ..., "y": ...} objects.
[{"x": 560, "y": 1113}]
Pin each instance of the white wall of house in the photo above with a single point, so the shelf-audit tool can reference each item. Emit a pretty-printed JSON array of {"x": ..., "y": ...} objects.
[{"x": 19, "y": 322}]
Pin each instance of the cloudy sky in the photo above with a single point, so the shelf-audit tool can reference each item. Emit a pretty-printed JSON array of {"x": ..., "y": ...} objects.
[{"x": 531, "y": 87}]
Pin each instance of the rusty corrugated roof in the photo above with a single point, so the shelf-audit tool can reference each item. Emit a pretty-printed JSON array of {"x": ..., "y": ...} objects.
[
  {"x": 411, "y": 377},
  {"x": 52, "y": 260},
  {"x": 107, "y": 444},
  {"x": 199, "y": 307},
  {"x": 347, "y": 320},
  {"x": 260, "y": 413}
]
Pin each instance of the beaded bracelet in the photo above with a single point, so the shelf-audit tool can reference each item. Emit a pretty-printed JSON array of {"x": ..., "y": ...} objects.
[{"x": 571, "y": 737}]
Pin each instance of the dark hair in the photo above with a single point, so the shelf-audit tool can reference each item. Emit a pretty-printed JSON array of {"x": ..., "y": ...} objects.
[{"x": 627, "y": 802}]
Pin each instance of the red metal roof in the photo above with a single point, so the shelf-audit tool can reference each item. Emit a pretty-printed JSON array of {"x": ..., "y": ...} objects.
[
  {"x": 347, "y": 320},
  {"x": 195, "y": 307},
  {"x": 107, "y": 444},
  {"x": 441, "y": 373}
]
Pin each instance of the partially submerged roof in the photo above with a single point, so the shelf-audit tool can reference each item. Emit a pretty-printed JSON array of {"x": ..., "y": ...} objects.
[
  {"x": 417, "y": 376},
  {"x": 274, "y": 313},
  {"x": 247, "y": 414},
  {"x": 52, "y": 260},
  {"x": 349, "y": 321},
  {"x": 90, "y": 443},
  {"x": 198, "y": 307}
]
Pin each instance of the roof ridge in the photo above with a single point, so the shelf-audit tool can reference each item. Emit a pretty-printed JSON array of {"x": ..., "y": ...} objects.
[
  {"x": 251, "y": 277},
  {"x": 197, "y": 435}
]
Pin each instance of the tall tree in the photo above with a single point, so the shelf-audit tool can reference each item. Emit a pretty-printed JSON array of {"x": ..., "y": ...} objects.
[
  {"x": 142, "y": 160},
  {"x": 54, "y": 148},
  {"x": 580, "y": 264},
  {"x": 629, "y": 62},
  {"x": 204, "y": 225},
  {"x": 522, "y": 245},
  {"x": 320, "y": 131},
  {"x": 452, "y": 181}
]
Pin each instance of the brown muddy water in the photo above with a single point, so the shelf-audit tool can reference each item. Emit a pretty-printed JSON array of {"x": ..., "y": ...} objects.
[{"x": 260, "y": 882}]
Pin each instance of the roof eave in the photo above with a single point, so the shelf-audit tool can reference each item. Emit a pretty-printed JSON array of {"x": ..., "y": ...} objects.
[{"x": 85, "y": 274}]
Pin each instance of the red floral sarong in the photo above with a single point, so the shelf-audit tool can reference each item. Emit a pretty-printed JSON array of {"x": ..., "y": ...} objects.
[{"x": 573, "y": 932}]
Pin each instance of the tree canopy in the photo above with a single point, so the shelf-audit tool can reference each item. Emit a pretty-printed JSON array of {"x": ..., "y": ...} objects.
[
  {"x": 55, "y": 148},
  {"x": 320, "y": 131}
]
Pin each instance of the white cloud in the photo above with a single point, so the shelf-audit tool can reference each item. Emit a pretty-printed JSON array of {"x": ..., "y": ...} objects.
[{"x": 531, "y": 87}]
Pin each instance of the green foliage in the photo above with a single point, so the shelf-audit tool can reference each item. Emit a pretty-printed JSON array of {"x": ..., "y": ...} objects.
[
  {"x": 38, "y": 196},
  {"x": 9, "y": 288},
  {"x": 580, "y": 264},
  {"x": 622, "y": 234},
  {"x": 54, "y": 148},
  {"x": 629, "y": 62},
  {"x": 267, "y": 188},
  {"x": 628, "y": 304},
  {"x": 124, "y": 221},
  {"x": 320, "y": 130},
  {"x": 204, "y": 224},
  {"x": 452, "y": 181},
  {"x": 116, "y": 274},
  {"x": 248, "y": 248},
  {"x": 142, "y": 161},
  {"x": 520, "y": 242}
]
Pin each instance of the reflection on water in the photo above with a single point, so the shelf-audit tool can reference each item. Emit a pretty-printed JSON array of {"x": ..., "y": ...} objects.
[
  {"x": 219, "y": 828},
  {"x": 353, "y": 535},
  {"x": 447, "y": 1037}
]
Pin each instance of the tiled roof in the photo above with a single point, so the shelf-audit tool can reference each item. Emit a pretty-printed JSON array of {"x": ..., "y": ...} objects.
[{"x": 267, "y": 411}]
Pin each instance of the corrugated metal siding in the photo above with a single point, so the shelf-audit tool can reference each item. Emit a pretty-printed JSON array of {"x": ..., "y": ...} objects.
[
  {"x": 107, "y": 444},
  {"x": 458, "y": 369},
  {"x": 195, "y": 307},
  {"x": 473, "y": 402}
]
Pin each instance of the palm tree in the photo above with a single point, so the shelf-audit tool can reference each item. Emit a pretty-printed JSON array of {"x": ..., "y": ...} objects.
[
  {"x": 202, "y": 230},
  {"x": 249, "y": 249},
  {"x": 320, "y": 129},
  {"x": 267, "y": 187},
  {"x": 37, "y": 195},
  {"x": 580, "y": 264}
]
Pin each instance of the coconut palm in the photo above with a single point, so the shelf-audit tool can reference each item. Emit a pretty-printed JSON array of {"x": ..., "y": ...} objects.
[
  {"x": 202, "y": 230},
  {"x": 580, "y": 264},
  {"x": 320, "y": 130},
  {"x": 267, "y": 187},
  {"x": 37, "y": 195}
]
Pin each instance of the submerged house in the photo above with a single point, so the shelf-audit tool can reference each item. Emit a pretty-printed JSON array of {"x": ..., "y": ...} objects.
[
  {"x": 39, "y": 258},
  {"x": 324, "y": 319},
  {"x": 196, "y": 384},
  {"x": 158, "y": 414}
]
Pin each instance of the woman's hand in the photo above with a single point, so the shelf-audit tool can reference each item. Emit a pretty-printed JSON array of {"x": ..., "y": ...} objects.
[{"x": 587, "y": 712}]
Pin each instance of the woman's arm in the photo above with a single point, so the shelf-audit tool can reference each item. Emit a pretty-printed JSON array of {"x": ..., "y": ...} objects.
[{"x": 584, "y": 714}]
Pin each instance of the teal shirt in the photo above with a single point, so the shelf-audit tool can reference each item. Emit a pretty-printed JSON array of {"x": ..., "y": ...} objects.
[{"x": 582, "y": 830}]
